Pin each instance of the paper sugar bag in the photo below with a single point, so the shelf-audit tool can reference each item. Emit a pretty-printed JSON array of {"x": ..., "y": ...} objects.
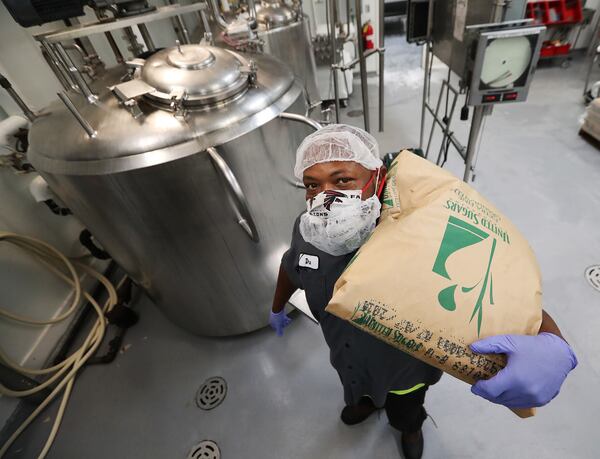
[{"x": 442, "y": 269}]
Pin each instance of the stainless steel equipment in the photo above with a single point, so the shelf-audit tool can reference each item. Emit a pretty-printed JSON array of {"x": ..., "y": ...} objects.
[
  {"x": 503, "y": 64},
  {"x": 277, "y": 29},
  {"x": 285, "y": 33},
  {"x": 360, "y": 60},
  {"x": 491, "y": 49},
  {"x": 451, "y": 17},
  {"x": 181, "y": 166}
]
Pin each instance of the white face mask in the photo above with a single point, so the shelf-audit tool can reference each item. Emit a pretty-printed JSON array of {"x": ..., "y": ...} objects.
[{"x": 339, "y": 221}]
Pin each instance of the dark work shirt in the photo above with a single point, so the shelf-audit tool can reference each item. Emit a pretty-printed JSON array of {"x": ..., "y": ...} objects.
[{"x": 365, "y": 365}]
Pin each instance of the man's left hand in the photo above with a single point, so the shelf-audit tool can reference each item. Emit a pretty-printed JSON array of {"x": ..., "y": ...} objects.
[{"x": 536, "y": 368}]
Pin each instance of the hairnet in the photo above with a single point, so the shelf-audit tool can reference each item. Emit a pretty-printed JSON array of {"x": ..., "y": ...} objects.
[{"x": 337, "y": 142}]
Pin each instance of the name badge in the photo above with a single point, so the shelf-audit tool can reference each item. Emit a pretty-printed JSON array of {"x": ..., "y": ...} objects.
[{"x": 308, "y": 261}]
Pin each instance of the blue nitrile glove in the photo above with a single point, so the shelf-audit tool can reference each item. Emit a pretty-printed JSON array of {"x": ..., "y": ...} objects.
[
  {"x": 536, "y": 368},
  {"x": 278, "y": 321}
]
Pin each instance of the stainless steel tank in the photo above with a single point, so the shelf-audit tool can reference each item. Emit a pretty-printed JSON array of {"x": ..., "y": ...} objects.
[
  {"x": 285, "y": 34},
  {"x": 281, "y": 31},
  {"x": 187, "y": 180}
]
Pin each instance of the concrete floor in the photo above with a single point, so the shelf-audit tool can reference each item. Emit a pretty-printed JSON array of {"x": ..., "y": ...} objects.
[{"x": 284, "y": 399}]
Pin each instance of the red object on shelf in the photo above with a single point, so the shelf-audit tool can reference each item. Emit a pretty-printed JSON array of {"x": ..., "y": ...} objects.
[
  {"x": 554, "y": 50},
  {"x": 555, "y": 12}
]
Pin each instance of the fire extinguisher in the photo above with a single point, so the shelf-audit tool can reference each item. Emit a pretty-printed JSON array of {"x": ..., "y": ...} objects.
[{"x": 367, "y": 36}]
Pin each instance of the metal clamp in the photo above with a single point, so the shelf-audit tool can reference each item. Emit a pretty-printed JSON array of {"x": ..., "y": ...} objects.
[
  {"x": 250, "y": 69},
  {"x": 178, "y": 99},
  {"x": 238, "y": 199}
]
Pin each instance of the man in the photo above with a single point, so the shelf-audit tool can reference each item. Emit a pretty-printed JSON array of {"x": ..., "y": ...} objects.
[{"x": 343, "y": 176}]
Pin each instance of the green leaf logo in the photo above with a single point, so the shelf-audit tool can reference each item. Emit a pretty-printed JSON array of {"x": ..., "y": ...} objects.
[{"x": 459, "y": 235}]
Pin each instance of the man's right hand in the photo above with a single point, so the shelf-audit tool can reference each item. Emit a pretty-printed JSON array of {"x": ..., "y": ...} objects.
[{"x": 278, "y": 321}]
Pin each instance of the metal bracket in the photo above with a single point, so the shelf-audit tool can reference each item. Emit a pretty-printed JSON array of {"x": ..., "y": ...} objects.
[
  {"x": 136, "y": 63},
  {"x": 352, "y": 64},
  {"x": 91, "y": 28},
  {"x": 129, "y": 91}
]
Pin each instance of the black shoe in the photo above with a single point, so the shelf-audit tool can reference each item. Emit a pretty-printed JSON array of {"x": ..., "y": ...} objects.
[
  {"x": 355, "y": 414},
  {"x": 412, "y": 445}
]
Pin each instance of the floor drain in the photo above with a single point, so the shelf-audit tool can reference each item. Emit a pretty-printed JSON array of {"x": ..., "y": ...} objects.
[
  {"x": 592, "y": 274},
  {"x": 206, "y": 449},
  {"x": 355, "y": 113},
  {"x": 212, "y": 393}
]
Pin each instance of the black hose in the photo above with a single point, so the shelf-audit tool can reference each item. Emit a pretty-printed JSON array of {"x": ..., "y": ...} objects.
[
  {"x": 122, "y": 317},
  {"x": 86, "y": 239}
]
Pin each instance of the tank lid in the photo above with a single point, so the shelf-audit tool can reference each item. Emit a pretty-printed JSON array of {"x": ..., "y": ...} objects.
[
  {"x": 199, "y": 75},
  {"x": 273, "y": 14},
  {"x": 161, "y": 133}
]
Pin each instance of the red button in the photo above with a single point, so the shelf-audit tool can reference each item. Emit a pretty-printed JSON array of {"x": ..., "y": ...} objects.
[
  {"x": 510, "y": 96},
  {"x": 491, "y": 98}
]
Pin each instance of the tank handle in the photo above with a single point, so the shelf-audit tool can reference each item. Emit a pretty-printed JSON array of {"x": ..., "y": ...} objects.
[
  {"x": 305, "y": 120},
  {"x": 238, "y": 199},
  {"x": 302, "y": 119}
]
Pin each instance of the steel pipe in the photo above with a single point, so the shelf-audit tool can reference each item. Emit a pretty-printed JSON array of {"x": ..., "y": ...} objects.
[
  {"x": 251, "y": 9},
  {"x": 180, "y": 27},
  {"x": 221, "y": 22},
  {"x": 334, "y": 56},
  {"x": 15, "y": 96},
  {"x": 77, "y": 76},
  {"x": 134, "y": 46},
  {"x": 480, "y": 111},
  {"x": 239, "y": 203},
  {"x": 474, "y": 134},
  {"x": 381, "y": 46},
  {"x": 84, "y": 42},
  {"x": 425, "y": 92},
  {"x": 78, "y": 116},
  {"x": 160, "y": 13},
  {"x": 363, "y": 65},
  {"x": 347, "y": 18},
  {"x": 109, "y": 37},
  {"x": 146, "y": 37},
  {"x": 498, "y": 11},
  {"x": 459, "y": 147},
  {"x": 204, "y": 19},
  {"x": 353, "y": 62},
  {"x": 115, "y": 48},
  {"x": 302, "y": 119},
  {"x": 56, "y": 67}
]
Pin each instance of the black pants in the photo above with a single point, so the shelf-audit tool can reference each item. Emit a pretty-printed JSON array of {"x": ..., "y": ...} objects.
[{"x": 406, "y": 412}]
